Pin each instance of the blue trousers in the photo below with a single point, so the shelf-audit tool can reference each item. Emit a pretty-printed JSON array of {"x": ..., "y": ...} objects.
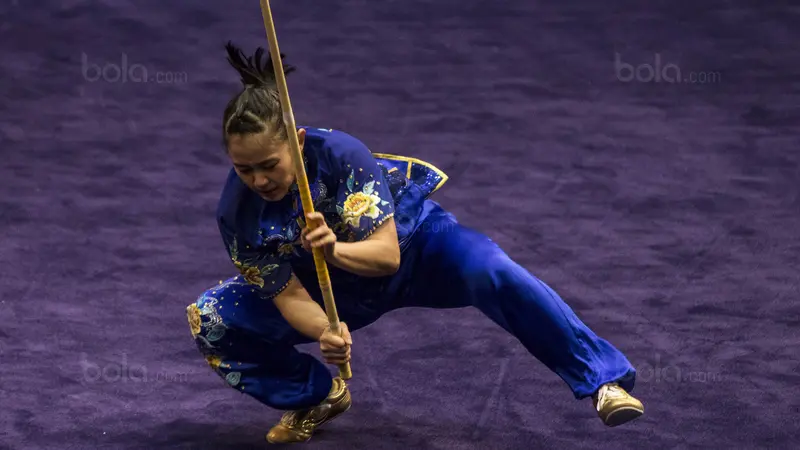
[{"x": 444, "y": 265}]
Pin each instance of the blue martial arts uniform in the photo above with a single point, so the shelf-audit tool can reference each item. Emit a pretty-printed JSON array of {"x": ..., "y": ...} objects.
[{"x": 443, "y": 265}]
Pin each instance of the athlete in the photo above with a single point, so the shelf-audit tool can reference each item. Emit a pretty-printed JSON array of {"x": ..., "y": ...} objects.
[{"x": 388, "y": 246}]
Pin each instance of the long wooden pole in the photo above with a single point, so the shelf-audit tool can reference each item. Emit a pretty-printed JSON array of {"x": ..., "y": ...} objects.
[{"x": 302, "y": 178}]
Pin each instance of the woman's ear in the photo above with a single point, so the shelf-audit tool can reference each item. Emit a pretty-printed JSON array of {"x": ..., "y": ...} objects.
[{"x": 301, "y": 138}]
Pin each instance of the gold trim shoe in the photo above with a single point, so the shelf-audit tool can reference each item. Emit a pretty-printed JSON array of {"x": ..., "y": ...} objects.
[
  {"x": 298, "y": 426},
  {"x": 615, "y": 406}
]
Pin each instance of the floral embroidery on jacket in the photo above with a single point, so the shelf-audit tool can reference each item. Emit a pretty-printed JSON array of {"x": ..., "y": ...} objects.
[
  {"x": 331, "y": 212},
  {"x": 363, "y": 203},
  {"x": 287, "y": 244},
  {"x": 249, "y": 268}
]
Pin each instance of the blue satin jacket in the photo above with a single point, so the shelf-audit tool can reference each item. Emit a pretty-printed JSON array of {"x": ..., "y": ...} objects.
[{"x": 356, "y": 191}]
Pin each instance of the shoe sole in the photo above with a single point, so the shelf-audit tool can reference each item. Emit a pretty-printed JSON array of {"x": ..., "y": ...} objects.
[{"x": 622, "y": 416}]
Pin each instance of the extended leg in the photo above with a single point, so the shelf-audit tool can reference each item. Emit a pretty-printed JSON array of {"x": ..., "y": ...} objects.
[{"x": 456, "y": 266}]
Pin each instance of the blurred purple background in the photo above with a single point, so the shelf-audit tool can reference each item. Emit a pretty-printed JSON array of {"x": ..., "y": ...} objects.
[{"x": 664, "y": 210}]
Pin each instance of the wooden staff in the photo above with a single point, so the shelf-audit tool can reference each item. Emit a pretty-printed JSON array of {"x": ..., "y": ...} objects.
[{"x": 302, "y": 178}]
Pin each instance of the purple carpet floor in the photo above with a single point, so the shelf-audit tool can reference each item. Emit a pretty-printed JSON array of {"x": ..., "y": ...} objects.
[{"x": 640, "y": 157}]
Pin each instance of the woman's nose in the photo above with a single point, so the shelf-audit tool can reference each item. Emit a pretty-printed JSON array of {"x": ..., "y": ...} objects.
[{"x": 261, "y": 181}]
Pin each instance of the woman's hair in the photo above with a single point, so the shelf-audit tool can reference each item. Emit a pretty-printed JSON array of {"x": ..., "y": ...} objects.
[{"x": 257, "y": 107}]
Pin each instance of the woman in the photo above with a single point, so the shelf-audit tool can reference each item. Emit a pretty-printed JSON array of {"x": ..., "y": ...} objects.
[{"x": 388, "y": 247}]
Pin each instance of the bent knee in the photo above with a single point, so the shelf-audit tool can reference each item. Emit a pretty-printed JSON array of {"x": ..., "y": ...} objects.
[
  {"x": 194, "y": 314},
  {"x": 205, "y": 319},
  {"x": 487, "y": 269}
]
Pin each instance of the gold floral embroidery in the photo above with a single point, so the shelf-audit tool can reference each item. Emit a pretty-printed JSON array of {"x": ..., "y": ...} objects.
[
  {"x": 286, "y": 249},
  {"x": 252, "y": 274},
  {"x": 363, "y": 203},
  {"x": 195, "y": 322},
  {"x": 214, "y": 361},
  {"x": 359, "y": 204}
]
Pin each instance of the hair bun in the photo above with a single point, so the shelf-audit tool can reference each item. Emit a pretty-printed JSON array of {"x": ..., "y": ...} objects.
[{"x": 250, "y": 69}]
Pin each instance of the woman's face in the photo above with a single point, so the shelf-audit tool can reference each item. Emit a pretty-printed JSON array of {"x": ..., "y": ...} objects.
[{"x": 263, "y": 163}]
